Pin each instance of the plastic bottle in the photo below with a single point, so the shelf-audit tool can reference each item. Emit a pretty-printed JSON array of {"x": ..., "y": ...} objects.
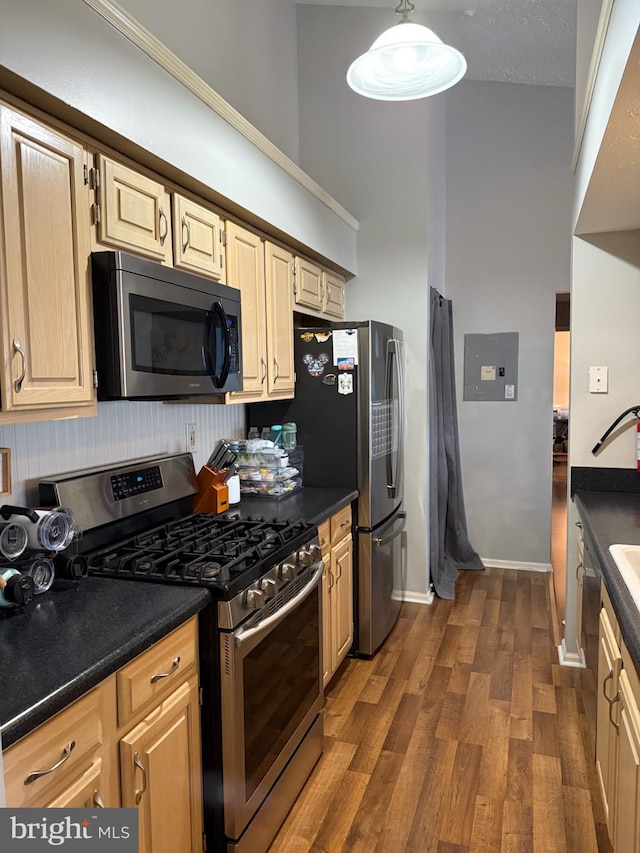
[
  {"x": 289, "y": 435},
  {"x": 276, "y": 435},
  {"x": 265, "y": 434},
  {"x": 254, "y": 432}
]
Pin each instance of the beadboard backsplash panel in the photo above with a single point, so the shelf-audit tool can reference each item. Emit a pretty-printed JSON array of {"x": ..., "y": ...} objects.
[{"x": 121, "y": 431}]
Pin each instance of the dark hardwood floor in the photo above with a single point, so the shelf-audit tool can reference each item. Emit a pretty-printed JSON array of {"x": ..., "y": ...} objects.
[{"x": 463, "y": 734}]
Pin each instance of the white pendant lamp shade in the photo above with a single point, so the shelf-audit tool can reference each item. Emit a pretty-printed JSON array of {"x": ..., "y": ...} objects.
[{"x": 408, "y": 61}]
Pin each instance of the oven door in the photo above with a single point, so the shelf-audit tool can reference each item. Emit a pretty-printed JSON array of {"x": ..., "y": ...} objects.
[{"x": 271, "y": 695}]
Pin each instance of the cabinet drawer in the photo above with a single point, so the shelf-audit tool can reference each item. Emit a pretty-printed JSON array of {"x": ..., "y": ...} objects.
[
  {"x": 57, "y": 749},
  {"x": 157, "y": 671},
  {"x": 324, "y": 538},
  {"x": 340, "y": 524}
]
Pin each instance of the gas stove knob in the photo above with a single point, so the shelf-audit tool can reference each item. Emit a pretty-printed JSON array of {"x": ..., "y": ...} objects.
[
  {"x": 256, "y": 599},
  {"x": 270, "y": 587},
  {"x": 305, "y": 557},
  {"x": 288, "y": 571},
  {"x": 316, "y": 553}
]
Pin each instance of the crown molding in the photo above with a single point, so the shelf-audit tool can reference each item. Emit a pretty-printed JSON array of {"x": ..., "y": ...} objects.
[{"x": 131, "y": 29}]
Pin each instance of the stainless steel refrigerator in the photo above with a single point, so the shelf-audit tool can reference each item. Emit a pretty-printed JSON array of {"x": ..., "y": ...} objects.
[{"x": 349, "y": 411}]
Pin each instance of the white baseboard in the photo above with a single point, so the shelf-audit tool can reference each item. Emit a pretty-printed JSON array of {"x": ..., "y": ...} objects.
[
  {"x": 576, "y": 659},
  {"x": 513, "y": 564},
  {"x": 413, "y": 597}
]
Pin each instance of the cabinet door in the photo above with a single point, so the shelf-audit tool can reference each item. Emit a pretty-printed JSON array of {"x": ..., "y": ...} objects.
[
  {"x": 245, "y": 270},
  {"x": 134, "y": 211},
  {"x": 627, "y": 818},
  {"x": 47, "y": 339},
  {"x": 609, "y": 665},
  {"x": 161, "y": 774},
  {"x": 279, "y": 293},
  {"x": 342, "y": 569},
  {"x": 308, "y": 284},
  {"x": 333, "y": 295},
  {"x": 197, "y": 238}
]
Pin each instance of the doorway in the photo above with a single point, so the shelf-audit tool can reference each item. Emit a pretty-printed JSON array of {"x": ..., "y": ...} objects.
[{"x": 560, "y": 450}]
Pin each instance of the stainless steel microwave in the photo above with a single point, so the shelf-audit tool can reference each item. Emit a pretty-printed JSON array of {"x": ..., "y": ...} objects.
[{"x": 162, "y": 333}]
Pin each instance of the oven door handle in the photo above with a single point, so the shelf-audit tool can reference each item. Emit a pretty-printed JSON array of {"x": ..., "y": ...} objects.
[{"x": 245, "y": 635}]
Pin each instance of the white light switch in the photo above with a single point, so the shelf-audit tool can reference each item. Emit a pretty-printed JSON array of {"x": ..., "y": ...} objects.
[{"x": 598, "y": 380}]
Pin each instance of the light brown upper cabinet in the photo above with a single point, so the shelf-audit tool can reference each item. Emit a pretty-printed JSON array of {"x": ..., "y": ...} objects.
[
  {"x": 263, "y": 272},
  {"x": 333, "y": 294},
  {"x": 308, "y": 284},
  {"x": 197, "y": 238},
  {"x": 133, "y": 211},
  {"x": 317, "y": 291},
  {"x": 279, "y": 284},
  {"x": 47, "y": 340}
]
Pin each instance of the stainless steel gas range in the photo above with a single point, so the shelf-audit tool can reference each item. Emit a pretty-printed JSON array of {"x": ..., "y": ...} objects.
[{"x": 260, "y": 641}]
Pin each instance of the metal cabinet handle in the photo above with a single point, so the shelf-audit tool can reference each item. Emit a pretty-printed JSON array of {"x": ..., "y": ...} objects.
[
  {"x": 345, "y": 524},
  {"x": 162, "y": 215},
  {"x": 612, "y": 702},
  {"x": 97, "y": 799},
  {"x": 140, "y": 791},
  {"x": 604, "y": 686},
  {"x": 18, "y": 348},
  {"x": 579, "y": 572},
  {"x": 580, "y": 525},
  {"x": 275, "y": 378},
  {"x": 264, "y": 367},
  {"x": 186, "y": 230},
  {"x": 159, "y": 675},
  {"x": 332, "y": 580},
  {"x": 37, "y": 774},
  {"x": 339, "y": 572}
]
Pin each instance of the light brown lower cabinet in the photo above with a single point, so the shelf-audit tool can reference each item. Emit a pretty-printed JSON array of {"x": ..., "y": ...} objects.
[
  {"x": 618, "y": 735},
  {"x": 336, "y": 545},
  {"x": 105, "y": 750}
]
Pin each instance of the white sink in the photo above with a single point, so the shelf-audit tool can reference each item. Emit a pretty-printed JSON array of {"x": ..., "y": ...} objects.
[{"x": 627, "y": 559}]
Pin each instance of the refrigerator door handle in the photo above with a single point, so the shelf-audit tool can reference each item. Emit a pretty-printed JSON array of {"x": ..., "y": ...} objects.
[
  {"x": 394, "y": 487},
  {"x": 378, "y": 543}
]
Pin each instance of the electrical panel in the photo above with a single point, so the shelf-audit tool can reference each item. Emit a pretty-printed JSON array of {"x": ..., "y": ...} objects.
[{"x": 491, "y": 366}]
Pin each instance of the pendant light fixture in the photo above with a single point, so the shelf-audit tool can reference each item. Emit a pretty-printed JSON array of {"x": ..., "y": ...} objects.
[{"x": 408, "y": 61}]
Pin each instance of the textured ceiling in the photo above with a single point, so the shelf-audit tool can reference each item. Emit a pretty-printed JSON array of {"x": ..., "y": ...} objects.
[{"x": 514, "y": 41}]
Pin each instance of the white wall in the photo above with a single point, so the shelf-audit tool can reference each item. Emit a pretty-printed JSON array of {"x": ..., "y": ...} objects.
[
  {"x": 372, "y": 157},
  {"x": 605, "y": 301},
  {"x": 508, "y": 253},
  {"x": 122, "y": 431},
  {"x": 246, "y": 52},
  {"x": 68, "y": 51}
]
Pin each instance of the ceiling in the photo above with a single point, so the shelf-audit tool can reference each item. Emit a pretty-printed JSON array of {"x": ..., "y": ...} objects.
[{"x": 512, "y": 41}]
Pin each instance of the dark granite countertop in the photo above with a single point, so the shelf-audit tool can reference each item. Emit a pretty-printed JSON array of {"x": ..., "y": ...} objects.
[
  {"x": 309, "y": 503},
  {"x": 610, "y": 518},
  {"x": 75, "y": 635},
  {"x": 55, "y": 650}
]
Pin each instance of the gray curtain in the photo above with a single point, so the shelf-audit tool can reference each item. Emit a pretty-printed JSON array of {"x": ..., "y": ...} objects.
[{"x": 450, "y": 549}]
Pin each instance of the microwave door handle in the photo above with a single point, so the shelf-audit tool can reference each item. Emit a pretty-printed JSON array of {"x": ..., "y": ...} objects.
[{"x": 219, "y": 380}]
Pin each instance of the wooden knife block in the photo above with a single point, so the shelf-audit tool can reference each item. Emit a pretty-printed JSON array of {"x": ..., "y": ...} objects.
[{"x": 213, "y": 493}]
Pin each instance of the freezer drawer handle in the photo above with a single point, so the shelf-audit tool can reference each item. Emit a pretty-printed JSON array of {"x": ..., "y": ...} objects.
[{"x": 386, "y": 539}]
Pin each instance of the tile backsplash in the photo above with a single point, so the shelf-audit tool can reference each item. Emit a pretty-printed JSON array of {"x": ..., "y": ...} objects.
[{"x": 121, "y": 431}]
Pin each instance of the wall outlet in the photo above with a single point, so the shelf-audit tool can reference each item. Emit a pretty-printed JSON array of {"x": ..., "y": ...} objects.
[{"x": 191, "y": 442}]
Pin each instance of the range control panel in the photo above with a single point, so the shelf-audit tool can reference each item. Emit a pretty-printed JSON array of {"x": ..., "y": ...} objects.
[{"x": 131, "y": 483}]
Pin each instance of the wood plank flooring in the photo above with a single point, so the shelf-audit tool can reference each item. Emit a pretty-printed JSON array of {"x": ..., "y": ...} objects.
[{"x": 462, "y": 735}]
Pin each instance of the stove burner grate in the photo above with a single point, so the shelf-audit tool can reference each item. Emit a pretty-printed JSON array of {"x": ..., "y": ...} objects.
[{"x": 201, "y": 549}]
